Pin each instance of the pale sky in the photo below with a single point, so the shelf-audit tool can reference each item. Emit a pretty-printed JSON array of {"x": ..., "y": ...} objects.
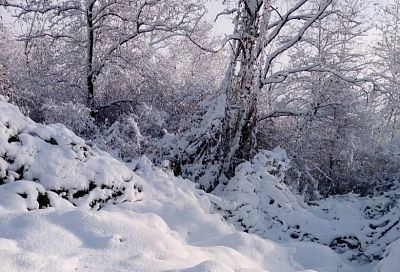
[{"x": 223, "y": 25}]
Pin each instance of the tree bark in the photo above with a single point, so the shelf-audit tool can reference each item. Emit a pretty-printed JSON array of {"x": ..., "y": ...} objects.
[{"x": 240, "y": 122}]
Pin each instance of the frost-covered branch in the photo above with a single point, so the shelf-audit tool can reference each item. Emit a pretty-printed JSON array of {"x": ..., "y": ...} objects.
[
  {"x": 281, "y": 113},
  {"x": 296, "y": 38}
]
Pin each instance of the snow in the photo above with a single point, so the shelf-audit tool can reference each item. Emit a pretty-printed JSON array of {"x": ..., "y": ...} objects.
[
  {"x": 66, "y": 206},
  {"x": 391, "y": 262},
  {"x": 54, "y": 163},
  {"x": 169, "y": 230},
  {"x": 359, "y": 228}
]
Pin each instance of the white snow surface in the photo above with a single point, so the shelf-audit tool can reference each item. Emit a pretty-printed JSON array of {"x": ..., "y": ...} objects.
[
  {"x": 170, "y": 229},
  {"x": 67, "y": 207}
]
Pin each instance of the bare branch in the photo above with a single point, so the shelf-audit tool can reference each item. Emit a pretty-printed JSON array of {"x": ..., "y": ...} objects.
[
  {"x": 281, "y": 113},
  {"x": 294, "y": 39}
]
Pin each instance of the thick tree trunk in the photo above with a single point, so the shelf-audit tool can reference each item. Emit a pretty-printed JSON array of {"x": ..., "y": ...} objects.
[{"x": 240, "y": 121}]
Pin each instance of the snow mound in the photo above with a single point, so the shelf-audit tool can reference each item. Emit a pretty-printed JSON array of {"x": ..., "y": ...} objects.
[
  {"x": 49, "y": 166},
  {"x": 83, "y": 240}
]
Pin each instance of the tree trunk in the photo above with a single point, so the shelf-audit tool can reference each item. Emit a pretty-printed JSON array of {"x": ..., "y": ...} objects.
[
  {"x": 89, "y": 58},
  {"x": 240, "y": 121}
]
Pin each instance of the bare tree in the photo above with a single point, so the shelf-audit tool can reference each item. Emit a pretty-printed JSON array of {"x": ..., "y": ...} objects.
[
  {"x": 328, "y": 109},
  {"x": 387, "y": 66},
  {"x": 96, "y": 31}
]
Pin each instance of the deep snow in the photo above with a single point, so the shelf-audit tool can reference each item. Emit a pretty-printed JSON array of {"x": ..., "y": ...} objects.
[{"x": 65, "y": 206}]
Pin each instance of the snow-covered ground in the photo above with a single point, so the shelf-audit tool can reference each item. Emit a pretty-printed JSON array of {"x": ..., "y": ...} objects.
[
  {"x": 257, "y": 201},
  {"x": 65, "y": 206}
]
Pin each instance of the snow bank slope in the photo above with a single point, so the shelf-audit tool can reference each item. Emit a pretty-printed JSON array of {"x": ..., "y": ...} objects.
[
  {"x": 150, "y": 223},
  {"x": 42, "y": 166}
]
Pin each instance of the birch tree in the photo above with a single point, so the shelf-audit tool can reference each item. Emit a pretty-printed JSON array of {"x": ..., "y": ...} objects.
[
  {"x": 263, "y": 33},
  {"x": 259, "y": 44}
]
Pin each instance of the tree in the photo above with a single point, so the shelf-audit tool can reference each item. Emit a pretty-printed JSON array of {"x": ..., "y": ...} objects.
[
  {"x": 7, "y": 52},
  {"x": 99, "y": 32},
  {"x": 252, "y": 68},
  {"x": 328, "y": 109},
  {"x": 387, "y": 69},
  {"x": 226, "y": 135}
]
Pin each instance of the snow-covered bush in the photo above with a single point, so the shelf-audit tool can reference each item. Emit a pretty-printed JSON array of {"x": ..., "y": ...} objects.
[
  {"x": 7, "y": 90},
  {"x": 48, "y": 165},
  {"x": 74, "y": 116},
  {"x": 194, "y": 152},
  {"x": 5, "y": 84},
  {"x": 152, "y": 121},
  {"x": 256, "y": 192},
  {"x": 123, "y": 138}
]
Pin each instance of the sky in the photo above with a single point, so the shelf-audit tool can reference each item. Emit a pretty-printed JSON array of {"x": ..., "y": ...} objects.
[
  {"x": 5, "y": 17},
  {"x": 223, "y": 25}
]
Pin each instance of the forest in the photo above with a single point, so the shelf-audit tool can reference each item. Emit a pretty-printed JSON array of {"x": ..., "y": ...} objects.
[{"x": 258, "y": 108}]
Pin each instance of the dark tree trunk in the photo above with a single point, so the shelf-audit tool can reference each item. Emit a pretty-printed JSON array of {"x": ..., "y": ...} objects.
[{"x": 89, "y": 58}]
